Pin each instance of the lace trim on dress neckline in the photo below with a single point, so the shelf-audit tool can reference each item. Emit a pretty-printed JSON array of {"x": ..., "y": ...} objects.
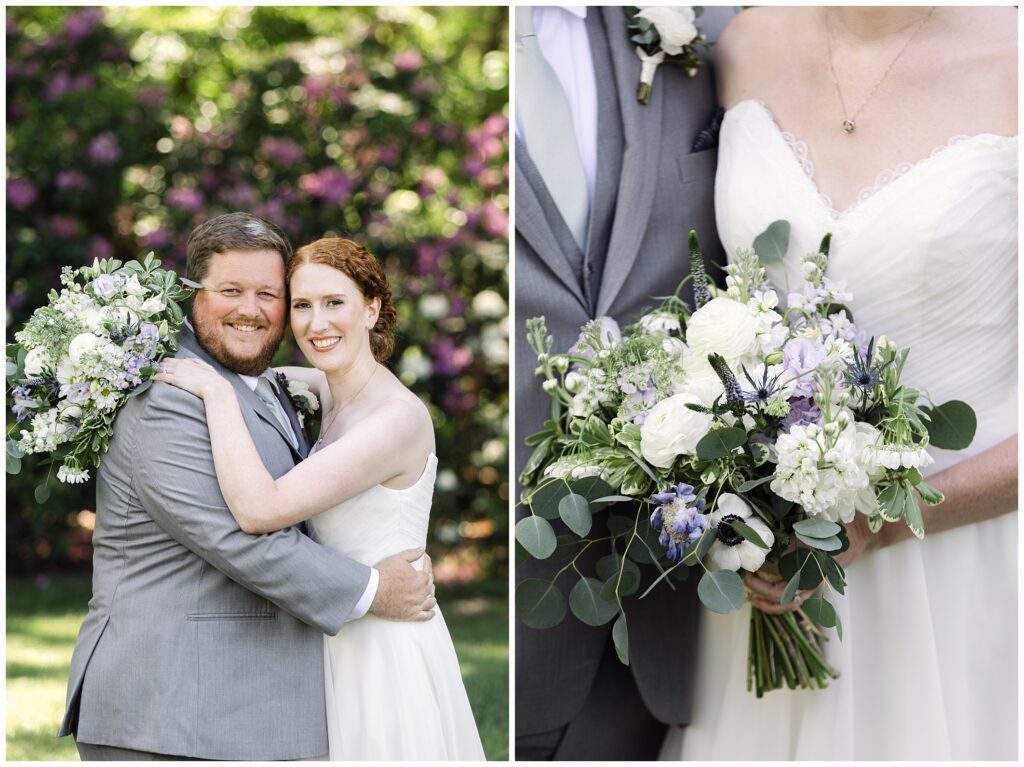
[{"x": 801, "y": 151}]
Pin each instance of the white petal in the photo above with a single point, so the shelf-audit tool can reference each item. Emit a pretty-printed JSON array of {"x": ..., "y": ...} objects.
[{"x": 722, "y": 557}]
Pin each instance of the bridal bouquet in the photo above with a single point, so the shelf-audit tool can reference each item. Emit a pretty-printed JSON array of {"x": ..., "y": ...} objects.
[
  {"x": 745, "y": 437},
  {"x": 79, "y": 358}
]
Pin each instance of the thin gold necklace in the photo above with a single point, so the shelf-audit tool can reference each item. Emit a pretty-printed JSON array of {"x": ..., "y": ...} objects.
[
  {"x": 849, "y": 126},
  {"x": 338, "y": 412}
]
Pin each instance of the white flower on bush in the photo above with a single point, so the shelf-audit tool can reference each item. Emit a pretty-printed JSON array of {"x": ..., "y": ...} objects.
[
  {"x": 133, "y": 287},
  {"x": 660, "y": 323},
  {"x": 675, "y": 25},
  {"x": 722, "y": 326},
  {"x": 731, "y": 551},
  {"x": 671, "y": 429},
  {"x": 37, "y": 361}
]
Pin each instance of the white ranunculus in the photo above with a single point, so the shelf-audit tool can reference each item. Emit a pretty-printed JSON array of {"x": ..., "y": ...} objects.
[
  {"x": 91, "y": 317},
  {"x": 675, "y": 25},
  {"x": 736, "y": 552},
  {"x": 722, "y": 326},
  {"x": 82, "y": 344},
  {"x": 36, "y": 361},
  {"x": 671, "y": 429}
]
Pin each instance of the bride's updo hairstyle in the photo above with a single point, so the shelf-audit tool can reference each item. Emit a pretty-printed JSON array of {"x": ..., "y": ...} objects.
[{"x": 359, "y": 265}]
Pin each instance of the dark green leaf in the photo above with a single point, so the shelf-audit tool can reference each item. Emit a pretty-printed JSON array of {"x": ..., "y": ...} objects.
[
  {"x": 816, "y": 528},
  {"x": 592, "y": 488},
  {"x": 952, "y": 425},
  {"x": 620, "y": 636},
  {"x": 575, "y": 512},
  {"x": 619, "y": 525},
  {"x": 647, "y": 549},
  {"x": 719, "y": 443},
  {"x": 608, "y": 568},
  {"x": 820, "y": 611},
  {"x": 790, "y": 591},
  {"x": 801, "y": 561},
  {"x": 771, "y": 245},
  {"x": 539, "y": 604},
  {"x": 721, "y": 591},
  {"x": 833, "y": 572},
  {"x": 536, "y": 536},
  {"x": 824, "y": 544},
  {"x": 42, "y": 493},
  {"x": 695, "y": 551},
  {"x": 750, "y": 484},
  {"x": 748, "y": 533},
  {"x": 588, "y": 605},
  {"x": 781, "y": 507}
]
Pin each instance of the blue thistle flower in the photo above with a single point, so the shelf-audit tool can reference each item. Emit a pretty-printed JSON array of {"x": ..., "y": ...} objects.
[
  {"x": 862, "y": 373},
  {"x": 761, "y": 391}
]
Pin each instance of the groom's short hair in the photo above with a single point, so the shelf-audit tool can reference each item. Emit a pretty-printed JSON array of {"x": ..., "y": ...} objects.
[{"x": 231, "y": 231}]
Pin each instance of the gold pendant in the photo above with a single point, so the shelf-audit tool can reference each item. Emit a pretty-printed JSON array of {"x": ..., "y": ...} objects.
[{"x": 848, "y": 126}]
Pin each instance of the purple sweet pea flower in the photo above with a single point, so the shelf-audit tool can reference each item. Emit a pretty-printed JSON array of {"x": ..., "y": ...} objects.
[
  {"x": 802, "y": 412},
  {"x": 105, "y": 149},
  {"x": 72, "y": 181},
  {"x": 408, "y": 61},
  {"x": 183, "y": 198},
  {"x": 282, "y": 152},
  {"x": 800, "y": 356},
  {"x": 106, "y": 286},
  {"x": 79, "y": 25},
  {"x": 59, "y": 85}
]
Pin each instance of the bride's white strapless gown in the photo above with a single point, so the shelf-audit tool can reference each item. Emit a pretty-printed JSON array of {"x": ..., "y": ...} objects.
[
  {"x": 394, "y": 689},
  {"x": 929, "y": 653}
]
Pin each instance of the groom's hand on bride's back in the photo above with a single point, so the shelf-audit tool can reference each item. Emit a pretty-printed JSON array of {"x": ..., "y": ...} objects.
[{"x": 403, "y": 592}]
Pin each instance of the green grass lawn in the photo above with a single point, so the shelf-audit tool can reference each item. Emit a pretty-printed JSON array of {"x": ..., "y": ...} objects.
[{"x": 43, "y": 620}]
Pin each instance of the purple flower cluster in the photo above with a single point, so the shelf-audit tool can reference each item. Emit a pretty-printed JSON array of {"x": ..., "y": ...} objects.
[
  {"x": 679, "y": 518},
  {"x": 21, "y": 394},
  {"x": 640, "y": 394},
  {"x": 105, "y": 149}
]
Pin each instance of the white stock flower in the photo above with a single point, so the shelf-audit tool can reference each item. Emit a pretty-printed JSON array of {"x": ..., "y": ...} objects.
[
  {"x": 36, "y": 361},
  {"x": 675, "y": 25},
  {"x": 722, "y": 326},
  {"x": 72, "y": 475},
  {"x": 671, "y": 429},
  {"x": 660, "y": 323},
  {"x": 731, "y": 551}
]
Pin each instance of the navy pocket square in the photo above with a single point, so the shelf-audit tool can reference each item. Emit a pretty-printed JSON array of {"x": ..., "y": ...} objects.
[{"x": 708, "y": 137}]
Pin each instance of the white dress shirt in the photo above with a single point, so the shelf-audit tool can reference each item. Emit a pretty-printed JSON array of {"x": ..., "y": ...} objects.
[
  {"x": 363, "y": 605},
  {"x": 562, "y": 37}
]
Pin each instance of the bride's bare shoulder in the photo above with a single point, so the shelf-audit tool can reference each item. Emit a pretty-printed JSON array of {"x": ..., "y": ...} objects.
[{"x": 751, "y": 49}]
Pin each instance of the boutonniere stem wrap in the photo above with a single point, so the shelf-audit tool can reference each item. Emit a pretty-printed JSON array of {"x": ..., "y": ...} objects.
[{"x": 664, "y": 33}]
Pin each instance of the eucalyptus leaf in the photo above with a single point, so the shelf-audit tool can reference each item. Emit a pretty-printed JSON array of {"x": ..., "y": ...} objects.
[
  {"x": 613, "y": 499},
  {"x": 781, "y": 507},
  {"x": 539, "y": 604},
  {"x": 839, "y": 625},
  {"x": 42, "y": 493},
  {"x": 141, "y": 388},
  {"x": 620, "y": 636},
  {"x": 801, "y": 562},
  {"x": 771, "y": 245},
  {"x": 14, "y": 449},
  {"x": 824, "y": 544},
  {"x": 609, "y": 566},
  {"x": 545, "y": 499},
  {"x": 951, "y": 425},
  {"x": 721, "y": 591},
  {"x": 790, "y": 591},
  {"x": 13, "y": 464},
  {"x": 719, "y": 443},
  {"x": 833, "y": 571},
  {"x": 748, "y": 533},
  {"x": 592, "y": 488},
  {"x": 820, "y": 611},
  {"x": 647, "y": 549},
  {"x": 750, "y": 484},
  {"x": 575, "y": 512},
  {"x": 619, "y": 525},
  {"x": 12, "y": 368},
  {"x": 816, "y": 528},
  {"x": 699, "y": 548},
  {"x": 588, "y": 605},
  {"x": 536, "y": 536}
]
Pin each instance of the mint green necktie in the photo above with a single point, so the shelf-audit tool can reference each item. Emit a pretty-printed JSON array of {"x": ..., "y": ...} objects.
[
  {"x": 546, "y": 122},
  {"x": 265, "y": 391}
]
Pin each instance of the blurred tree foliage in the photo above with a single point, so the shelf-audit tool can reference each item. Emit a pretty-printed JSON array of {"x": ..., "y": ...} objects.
[{"x": 127, "y": 127}]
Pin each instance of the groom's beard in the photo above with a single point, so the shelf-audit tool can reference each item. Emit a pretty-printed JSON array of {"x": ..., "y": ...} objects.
[{"x": 210, "y": 336}]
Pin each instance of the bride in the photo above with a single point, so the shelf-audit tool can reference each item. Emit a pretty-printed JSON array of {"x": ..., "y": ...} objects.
[
  {"x": 394, "y": 689},
  {"x": 820, "y": 101}
]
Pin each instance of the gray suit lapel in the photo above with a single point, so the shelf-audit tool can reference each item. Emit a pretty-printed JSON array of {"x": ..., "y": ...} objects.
[
  {"x": 609, "y": 153},
  {"x": 642, "y": 132},
  {"x": 548, "y": 235},
  {"x": 246, "y": 397}
]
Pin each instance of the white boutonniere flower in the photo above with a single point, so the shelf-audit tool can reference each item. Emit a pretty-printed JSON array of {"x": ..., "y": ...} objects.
[
  {"x": 664, "y": 33},
  {"x": 304, "y": 401}
]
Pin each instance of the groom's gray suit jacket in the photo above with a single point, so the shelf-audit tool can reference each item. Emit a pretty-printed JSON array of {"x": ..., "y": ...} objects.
[
  {"x": 201, "y": 640},
  {"x": 650, "y": 191}
]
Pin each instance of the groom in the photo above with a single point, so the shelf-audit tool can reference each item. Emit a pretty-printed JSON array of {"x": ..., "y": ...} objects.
[
  {"x": 202, "y": 641},
  {"x": 606, "y": 192}
]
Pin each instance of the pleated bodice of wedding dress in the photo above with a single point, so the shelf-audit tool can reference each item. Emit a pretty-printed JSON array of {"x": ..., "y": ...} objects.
[
  {"x": 394, "y": 689},
  {"x": 929, "y": 653}
]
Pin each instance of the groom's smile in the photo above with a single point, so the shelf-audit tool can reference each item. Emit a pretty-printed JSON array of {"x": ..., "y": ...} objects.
[{"x": 239, "y": 314}]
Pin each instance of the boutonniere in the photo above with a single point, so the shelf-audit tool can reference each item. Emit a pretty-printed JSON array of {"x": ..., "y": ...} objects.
[
  {"x": 664, "y": 33},
  {"x": 303, "y": 400}
]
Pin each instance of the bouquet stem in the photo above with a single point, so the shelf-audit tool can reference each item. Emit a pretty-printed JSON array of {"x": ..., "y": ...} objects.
[{"x": 784, "y": 650}]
